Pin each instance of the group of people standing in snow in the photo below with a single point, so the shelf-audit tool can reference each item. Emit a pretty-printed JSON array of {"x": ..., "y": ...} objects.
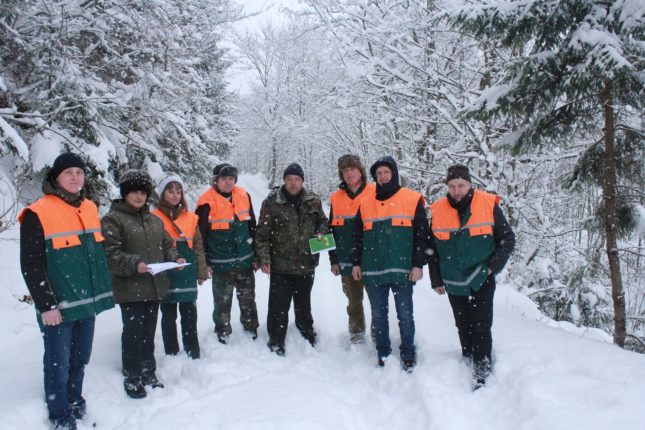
[{"x": 77, "y": 265}]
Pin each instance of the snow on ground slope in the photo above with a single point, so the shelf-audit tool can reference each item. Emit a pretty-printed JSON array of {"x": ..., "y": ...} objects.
[{"x": 544, "y": 377}]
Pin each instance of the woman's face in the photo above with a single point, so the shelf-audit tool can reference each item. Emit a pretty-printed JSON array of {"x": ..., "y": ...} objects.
[
  {"x": 173, "y": 193},
  {"x": 136, "y": 199}
]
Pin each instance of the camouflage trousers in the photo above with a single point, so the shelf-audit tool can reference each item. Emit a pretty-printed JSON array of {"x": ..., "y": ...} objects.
[
  {"x": 243, "y": 282},
  {"x": 354, "y": 291}
]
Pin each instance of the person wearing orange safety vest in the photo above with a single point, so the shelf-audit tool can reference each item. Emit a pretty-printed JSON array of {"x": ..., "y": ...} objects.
[
  {"x": 64, "y": 266},
  {"x": 344, "y": 204},
  {"x": 470, "y": 243},
  {"x": 227, "y": 223},
  {"x": 182, "y": 226},
  {"x": 388, "y": 253}
]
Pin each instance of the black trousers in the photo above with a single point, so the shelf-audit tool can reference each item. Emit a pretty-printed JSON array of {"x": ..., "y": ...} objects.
[
  {"x": 188, "y": 312},
  {"x": 138, "y": 338},
  {"x": 474, "y": 320},
  {"x": 282, "y": 289}
]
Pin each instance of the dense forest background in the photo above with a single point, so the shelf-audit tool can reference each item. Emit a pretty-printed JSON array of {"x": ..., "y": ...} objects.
[{"x": 542, "y": 100}]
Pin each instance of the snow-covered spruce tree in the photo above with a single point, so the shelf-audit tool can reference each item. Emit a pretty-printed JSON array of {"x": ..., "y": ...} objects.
[
  {"x": 580, "y": 74},
  {"x": 130, "y": 83}
]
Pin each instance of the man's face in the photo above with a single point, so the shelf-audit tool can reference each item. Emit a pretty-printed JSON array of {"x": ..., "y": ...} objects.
[
  {"x": 458, "y": 188},
  {"x": 293, "y": 184},
  {"x": 352, "y": 177},
  {"x": 225, "y": 183},
  {"x": 71, "y": 180},
  {"x": 383, "y": 175}
]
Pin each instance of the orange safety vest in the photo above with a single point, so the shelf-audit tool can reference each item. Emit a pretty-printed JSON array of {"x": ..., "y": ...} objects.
[
  {"x": 400, "y": 208},
  {"x": 344, "y": 207},
  {"x": 181, "y": 229},
  {"x": 63, "y": 223},
  {"x": 445, "y": 218},
  {"x": 223, "y": 212}
]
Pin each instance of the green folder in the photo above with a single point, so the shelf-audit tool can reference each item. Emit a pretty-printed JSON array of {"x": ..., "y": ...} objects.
[{"x": 326, "y": 242}]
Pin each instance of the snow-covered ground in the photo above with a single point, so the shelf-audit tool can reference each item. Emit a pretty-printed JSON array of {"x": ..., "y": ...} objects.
[{"x": 546, "y": 375}]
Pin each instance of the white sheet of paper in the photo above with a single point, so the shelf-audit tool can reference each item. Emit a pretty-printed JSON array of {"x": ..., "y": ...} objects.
[{"x": 155, "y": 268}]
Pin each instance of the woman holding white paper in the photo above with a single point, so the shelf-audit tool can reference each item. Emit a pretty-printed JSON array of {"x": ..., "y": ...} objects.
[
  {"x": 133, "y": 238},
  {"x": 182, "y": 226}
]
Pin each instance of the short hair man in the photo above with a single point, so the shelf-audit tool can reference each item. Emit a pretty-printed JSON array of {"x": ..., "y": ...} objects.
[
  {"x": 388, "y": 253},
  {"x": 344, "y": 204},
  {"x": 471, "y": 242},
  {"x": 63, "y": 262},
  {"x": 227, "y": 224},
  {"x": 290, "y": 216}
]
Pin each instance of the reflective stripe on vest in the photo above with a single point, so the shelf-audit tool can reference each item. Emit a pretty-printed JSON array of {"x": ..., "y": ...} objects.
[
  {"x": 400, "y": 208},
  {"x": 222, "y": 211},
  {"x": 467, "y": 281},
  {"x": 186, "y": 222},
  {"x": 445, "y": 218},
  {"x": 232, "y": 260},
  {"x": 345, "y": 208},
  {"x": 69, "y": 305},
  {"x": 63, "y": 223}
]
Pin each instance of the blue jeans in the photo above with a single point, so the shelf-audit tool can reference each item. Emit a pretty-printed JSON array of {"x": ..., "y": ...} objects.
[
  {"x": 379, "y": 296},
  {"x": 68, "y": 347}
]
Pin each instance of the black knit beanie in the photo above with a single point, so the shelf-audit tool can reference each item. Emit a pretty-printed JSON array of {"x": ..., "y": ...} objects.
[
  {"x": 135, "y": 180},
  {"x": 458, "y": 171},
  {"x": 65, "y": 161},
  {"x": 294, "y": 169},
  {"x": 225, "y": 169}
]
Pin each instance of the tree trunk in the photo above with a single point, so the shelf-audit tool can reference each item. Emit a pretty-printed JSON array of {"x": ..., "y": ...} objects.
[{"x": 609, "y": 197}]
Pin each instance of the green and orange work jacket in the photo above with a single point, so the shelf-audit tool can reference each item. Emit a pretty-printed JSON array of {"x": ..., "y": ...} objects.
[
  {"x": 75, "y": 259},
  {"x": 464, "y": 245}
]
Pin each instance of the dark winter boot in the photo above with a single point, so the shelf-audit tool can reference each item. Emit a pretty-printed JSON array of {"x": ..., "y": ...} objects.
[
  {"x": 279, "y": 350},
  {"x": 134, "y": 388},
  {"x": 357, "y": 338},
  {"x": 252, "y": 333},
  {"x": 67, "y": 423},
  {"x": 152, "y": 381},
  {"x": 408, "y": 365},
  {"x": 78, "y": 409},
  {"x": 222, "y": 338},
  {"x": 194, "y": 353},
  {"x": 481, "y": 371}
]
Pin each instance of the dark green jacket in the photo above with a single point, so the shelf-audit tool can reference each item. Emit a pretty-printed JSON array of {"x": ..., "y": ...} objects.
[
  {"x": 283, "y": 232},
  {"x": 132, "y": 237}
]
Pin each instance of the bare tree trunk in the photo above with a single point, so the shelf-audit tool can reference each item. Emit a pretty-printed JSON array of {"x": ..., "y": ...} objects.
[
  {"x": 609, "y": 197},
  {"x": 274, "y": 162}
]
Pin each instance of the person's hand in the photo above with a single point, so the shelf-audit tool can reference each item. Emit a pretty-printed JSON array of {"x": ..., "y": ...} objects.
[
  {"x": 357, "y": 274},
  {"x": 210, "y": 272},
  {"x": 335, "y": 269},
  {"x": 490, "y": 272},
  {"x": 200, "y": 281},
  {"x": 266, "y": 268},
  {"x": 180, "y": 261},
  {"x": 415, "y": 274},
  {"x": 440, "y": 290},
  {"x": 142, "y": 267},
  {"x": 52, "y": 317}
]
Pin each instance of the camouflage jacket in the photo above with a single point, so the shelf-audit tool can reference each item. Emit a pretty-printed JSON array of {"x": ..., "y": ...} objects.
[{"x": 283, "y": 232}]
